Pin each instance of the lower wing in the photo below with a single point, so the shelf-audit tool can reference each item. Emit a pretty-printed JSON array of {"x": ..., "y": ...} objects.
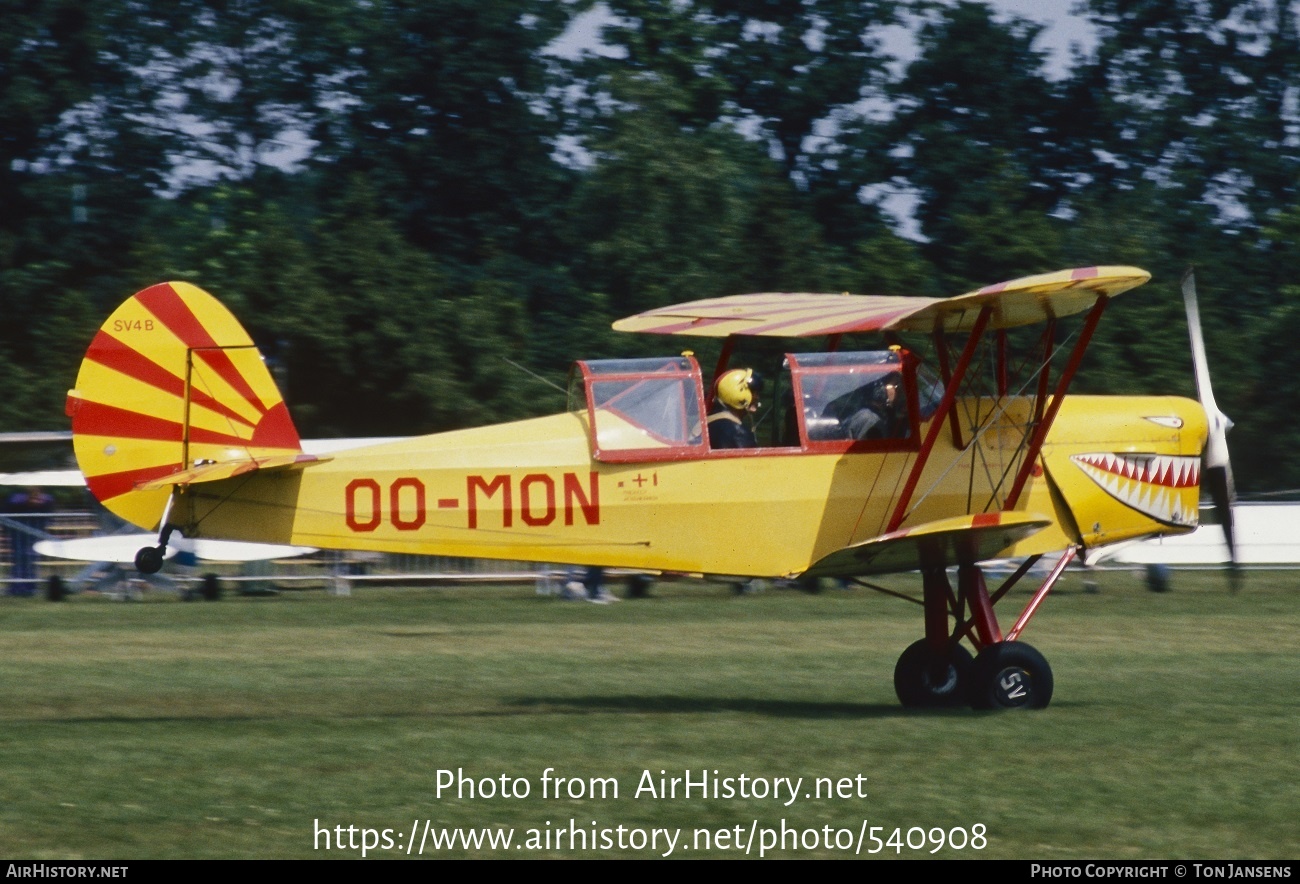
[{"x": 956, "y": 541}]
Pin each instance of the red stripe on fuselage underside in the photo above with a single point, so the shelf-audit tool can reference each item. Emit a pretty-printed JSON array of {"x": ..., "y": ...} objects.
[
  {"x": 112, "y": 353},
  {"x": 163, "y": 302}
]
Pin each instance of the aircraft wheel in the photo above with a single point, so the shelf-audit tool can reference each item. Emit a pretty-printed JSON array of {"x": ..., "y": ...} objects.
[
  {"x": 925, "y": 679},
  {"x": 1010, "y": 675},
  {"x": 149, "y": 560}
]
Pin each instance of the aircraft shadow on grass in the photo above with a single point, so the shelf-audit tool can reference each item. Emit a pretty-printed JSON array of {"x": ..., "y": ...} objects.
[{"x": 668, "y": 704}]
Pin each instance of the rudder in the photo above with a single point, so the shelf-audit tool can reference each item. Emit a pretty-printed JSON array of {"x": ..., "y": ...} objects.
[{"x": 171, "y": 380}]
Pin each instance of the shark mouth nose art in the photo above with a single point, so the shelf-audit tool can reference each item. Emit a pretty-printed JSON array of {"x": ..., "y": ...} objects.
[{"x": 1164, "y": 487}]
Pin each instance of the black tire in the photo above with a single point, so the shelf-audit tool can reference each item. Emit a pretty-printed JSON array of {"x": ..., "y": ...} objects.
[
  {"x": 924, "y": 679},
  {"x": 149, "y": 560},
  {"x": 1010, "y": 675},
  {"x": 55, "y": 590}
]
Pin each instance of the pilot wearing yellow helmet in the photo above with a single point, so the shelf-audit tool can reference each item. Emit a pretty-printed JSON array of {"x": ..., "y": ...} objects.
[{"x": 734, "y": 393}]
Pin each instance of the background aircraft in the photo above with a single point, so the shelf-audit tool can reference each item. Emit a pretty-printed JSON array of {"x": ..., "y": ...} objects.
[
  {"x": 178, "y": 426},
  {"x": 118, "y": 548},
  {"x": 1264, "y": 534}
]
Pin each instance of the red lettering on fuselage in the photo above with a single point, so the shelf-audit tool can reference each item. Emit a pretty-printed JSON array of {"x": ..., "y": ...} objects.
[
  {"x": 498, "y": 483},
  {"x": 416, "y": 519},
  {"x": 350, "y": 510},
  {"x": 538, "y": 501},
  {"x": 528, "y": 498},
  {"x": 589, "y": 503},
  {"x": 537, "y": 498}
]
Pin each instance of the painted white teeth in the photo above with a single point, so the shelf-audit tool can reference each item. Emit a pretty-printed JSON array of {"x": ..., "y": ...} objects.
[{"x": 1150, "y": 484}]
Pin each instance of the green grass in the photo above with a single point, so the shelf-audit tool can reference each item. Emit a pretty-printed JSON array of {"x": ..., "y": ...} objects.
[{"x": 163, "y": 729}]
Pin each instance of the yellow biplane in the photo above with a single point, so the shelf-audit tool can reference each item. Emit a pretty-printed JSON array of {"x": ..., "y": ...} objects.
[{"x": 178, "y": 426}]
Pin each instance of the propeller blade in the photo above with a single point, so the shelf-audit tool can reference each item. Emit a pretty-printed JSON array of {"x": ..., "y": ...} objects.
[
  {"x": 1200, "y": 364},
  {"x": 1218, "y": 481},
  {"x": 1217, "y": 477}
]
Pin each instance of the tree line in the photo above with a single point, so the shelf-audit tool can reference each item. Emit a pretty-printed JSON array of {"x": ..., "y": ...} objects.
[{"x": 424, "y": 209}]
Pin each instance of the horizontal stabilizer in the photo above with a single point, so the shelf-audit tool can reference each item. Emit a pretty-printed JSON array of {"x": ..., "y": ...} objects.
[
  {"x": 215, "y": 472},
  {"x": 939, "y": 544}
]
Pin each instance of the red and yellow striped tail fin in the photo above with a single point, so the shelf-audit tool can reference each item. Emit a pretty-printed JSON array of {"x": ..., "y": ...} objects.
[{"x": 171, "y": 381}]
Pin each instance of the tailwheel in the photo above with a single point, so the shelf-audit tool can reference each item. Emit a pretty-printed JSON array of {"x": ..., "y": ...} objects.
[
  {"x": 1010, "y": 675},
  {"x": 925, "y": 678},
  {"x": 149, "y": 559}
]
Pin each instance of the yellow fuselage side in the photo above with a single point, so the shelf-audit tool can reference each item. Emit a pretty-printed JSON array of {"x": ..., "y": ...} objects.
[{"x": 531, "y": 491}]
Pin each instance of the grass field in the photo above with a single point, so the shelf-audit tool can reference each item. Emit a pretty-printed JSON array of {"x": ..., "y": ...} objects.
[{"x": 159, "y": 729}]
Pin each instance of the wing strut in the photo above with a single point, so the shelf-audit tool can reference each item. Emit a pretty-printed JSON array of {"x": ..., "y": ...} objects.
[
  {"x": 1049, "y": 351},
  {"x": 940, "y": 416},
  {"x": 1058, "y": 398},
  {"x": 1037, "y": 599}
]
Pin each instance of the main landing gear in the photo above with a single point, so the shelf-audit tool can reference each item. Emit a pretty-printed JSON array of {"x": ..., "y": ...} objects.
[
  {"x": 1010, "y": 675},
  {"x": 929, "y": 678},
  {"x": 938, "y": 672}
]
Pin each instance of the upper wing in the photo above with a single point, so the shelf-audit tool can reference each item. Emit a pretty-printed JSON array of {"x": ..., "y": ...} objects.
[
  {"x": 1029, "y": 299},
  {"x": 942, "y": 543},
  {"x": 778, "y": 314},
  {"x": 1018, "y": 302}
]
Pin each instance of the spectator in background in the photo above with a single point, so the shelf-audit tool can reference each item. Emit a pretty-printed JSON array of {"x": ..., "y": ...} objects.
[{"x": 28, "y": 512}]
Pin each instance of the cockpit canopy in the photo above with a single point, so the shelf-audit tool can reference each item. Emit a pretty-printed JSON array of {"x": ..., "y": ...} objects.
[{"x": 655, "y": 409}]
